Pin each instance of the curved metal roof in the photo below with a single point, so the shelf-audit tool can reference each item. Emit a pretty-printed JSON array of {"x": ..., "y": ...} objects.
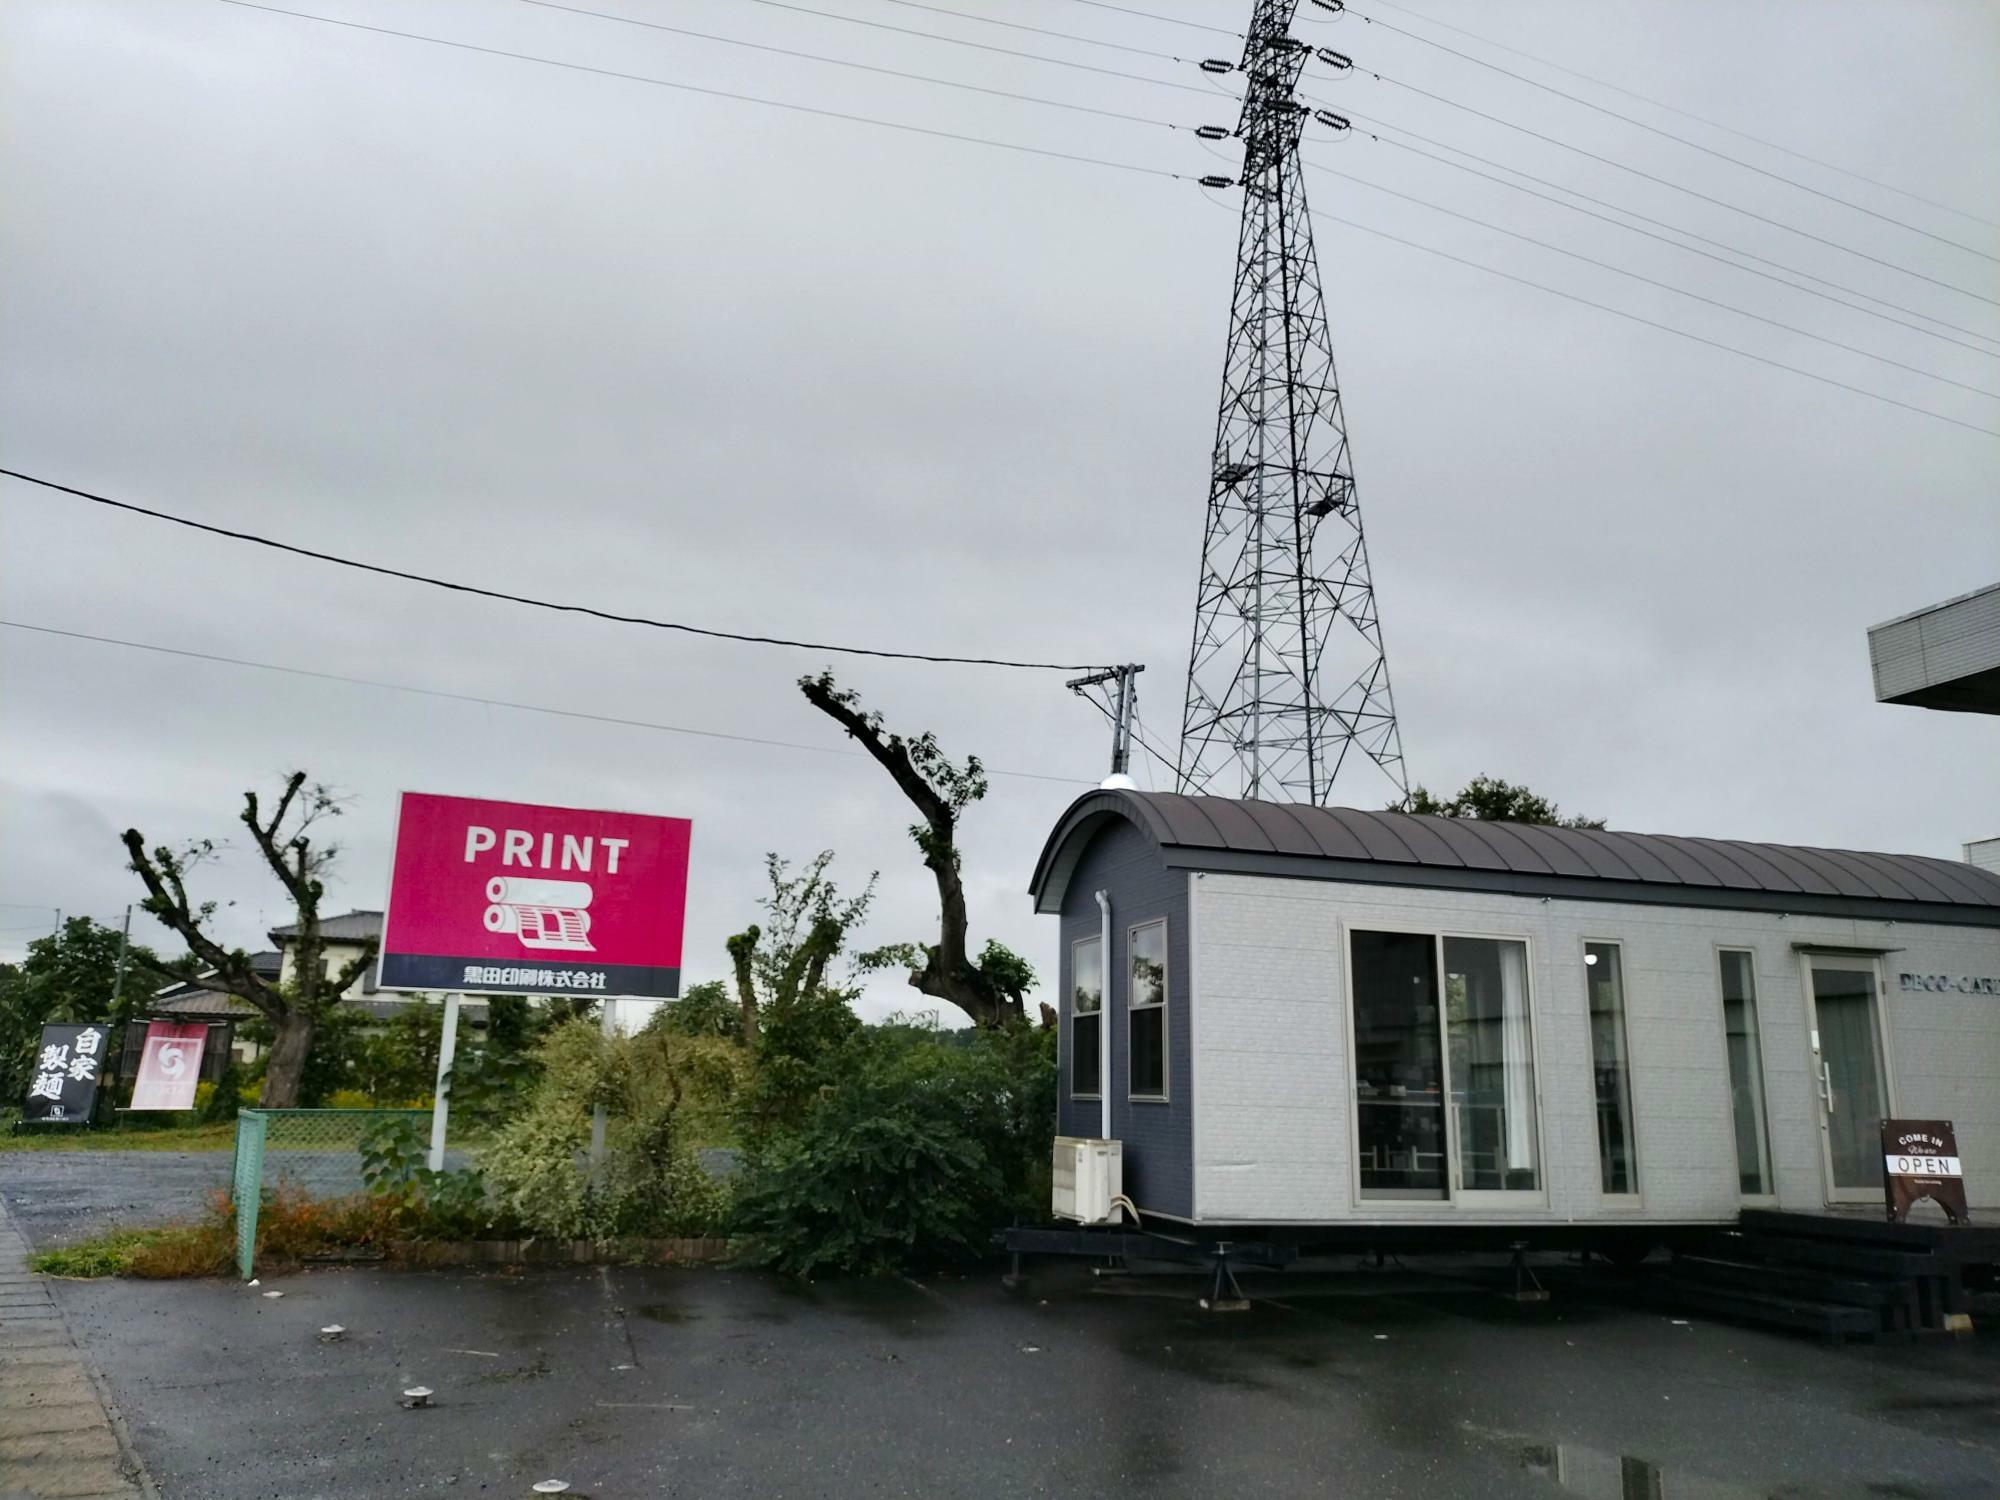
[{"x": 1343, "y": 843}]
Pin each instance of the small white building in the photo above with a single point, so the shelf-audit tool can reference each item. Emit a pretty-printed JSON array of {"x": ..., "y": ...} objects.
[{"x": 1301, "y": 1016}]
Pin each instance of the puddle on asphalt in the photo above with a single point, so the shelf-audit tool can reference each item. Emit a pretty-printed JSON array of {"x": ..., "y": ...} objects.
[{"x": 664, "y": 1312}]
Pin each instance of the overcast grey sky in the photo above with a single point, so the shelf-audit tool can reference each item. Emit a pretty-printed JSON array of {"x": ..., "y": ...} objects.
[{"x": 586, "y": 338}]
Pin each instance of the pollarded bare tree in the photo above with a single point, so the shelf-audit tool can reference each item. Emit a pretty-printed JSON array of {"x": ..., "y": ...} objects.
[
  {"x": 989, "y": 990},
  {"x": 295, "y": 1007}
]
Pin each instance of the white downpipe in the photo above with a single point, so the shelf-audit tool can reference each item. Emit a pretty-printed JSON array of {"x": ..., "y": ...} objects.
[{"x": 1104, "y": 1014}]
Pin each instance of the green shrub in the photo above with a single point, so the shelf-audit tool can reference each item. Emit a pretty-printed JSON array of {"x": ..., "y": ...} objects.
[
  {"x": 658, "y": 1090},
  {"x": 916, "y": 1147}
]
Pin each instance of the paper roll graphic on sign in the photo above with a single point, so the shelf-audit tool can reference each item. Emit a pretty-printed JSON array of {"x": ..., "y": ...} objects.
[{"x": 541, "y": 913}]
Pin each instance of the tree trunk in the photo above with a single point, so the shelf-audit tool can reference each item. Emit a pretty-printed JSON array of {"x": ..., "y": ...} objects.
[{"x": 291, "y": 1041}]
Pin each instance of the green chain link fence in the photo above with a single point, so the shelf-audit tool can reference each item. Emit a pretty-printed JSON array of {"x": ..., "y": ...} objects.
[{"x": 317, "y": 1150}]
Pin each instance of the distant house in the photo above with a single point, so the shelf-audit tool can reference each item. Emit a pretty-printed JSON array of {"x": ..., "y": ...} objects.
[{"x": 342, "y": 939}]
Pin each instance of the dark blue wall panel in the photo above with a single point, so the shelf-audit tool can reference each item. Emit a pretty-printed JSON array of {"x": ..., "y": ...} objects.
[{"x": 1158, "y": 1138}]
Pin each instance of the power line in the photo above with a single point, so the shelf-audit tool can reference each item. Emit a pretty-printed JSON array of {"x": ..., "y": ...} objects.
[
  {"x": 533, "y": 603},
  {"x": 1619, "y": 88},
  {"x": 1977, "y": 390},
  {"x": 527, "y": 708},
  {"x": 690, "y": 88},
  {"x": 841, "y": 62},
  {"x": 1762, "y": 359},
  {"x": 1150, "y": 15},
  {"x": 1667, "y": 239},
  {"x": 1736, "y": 161},
  {"x": 1667, "y": 183},
  {"x": 1067, "y": 36},
  {"x": 950, "y": 41}
]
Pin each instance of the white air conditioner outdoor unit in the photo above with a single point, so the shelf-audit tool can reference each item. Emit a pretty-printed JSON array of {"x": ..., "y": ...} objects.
[{"x": 1089, "y": 1174}]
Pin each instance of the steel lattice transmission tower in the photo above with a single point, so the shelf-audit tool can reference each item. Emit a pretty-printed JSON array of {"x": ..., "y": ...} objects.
[{"x": 1287, "y": 679}]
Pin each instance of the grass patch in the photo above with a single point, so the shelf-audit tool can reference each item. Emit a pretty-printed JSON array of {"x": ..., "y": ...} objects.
[
  {"x": 185, "y": 1250},
  {"x": 218, "y": 1137}
]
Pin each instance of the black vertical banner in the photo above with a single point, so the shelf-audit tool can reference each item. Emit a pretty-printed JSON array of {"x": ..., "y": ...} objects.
[{"x": 62, "y": 1083}]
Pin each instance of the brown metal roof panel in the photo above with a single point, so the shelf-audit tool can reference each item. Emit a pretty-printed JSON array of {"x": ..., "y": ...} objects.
[
  {"x": 1971, "y": 885},
  {"x": 1474, "y": 850},
  {"x": 1895, "y": 876},
  {"x": 1853, "y": 878},
  {"x": 1602, "y": 852},
  {"x": 1518, "y": 845},
  {"x": 1285, "y": 829},
  {"x": 1570, "y": 852},
  {"x": 1180, "y": 820},
  {"x": 1333, "y": 838},
  {"x": 1715, "y": 866},
  {"x": 1806, "y": 876},
  {"x": 1237, "y": 824},
  {"x": 1374, "y": 834},
  {"x": 1425, "y": 836},
  {"x": 1761, "y": 873},
  {"x": 1915, "y": 873},
  {"x": 1647, "y": 861}
]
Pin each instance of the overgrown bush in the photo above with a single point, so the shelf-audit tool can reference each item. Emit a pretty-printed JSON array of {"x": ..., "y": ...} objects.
[
  {"x": 912, "y": 1148},
  {"x": 660, "y": 1091}
]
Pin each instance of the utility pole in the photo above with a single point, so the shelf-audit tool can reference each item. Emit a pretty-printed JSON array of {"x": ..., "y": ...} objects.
[
  {"x": 1123, "y": 700},
  {"x": 1287, "y": 675},
  {"x": 118, "y": 975}
]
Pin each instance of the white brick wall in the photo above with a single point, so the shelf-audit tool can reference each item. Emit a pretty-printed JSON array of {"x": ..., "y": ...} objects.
[{"x": 1273, "y": 1087}]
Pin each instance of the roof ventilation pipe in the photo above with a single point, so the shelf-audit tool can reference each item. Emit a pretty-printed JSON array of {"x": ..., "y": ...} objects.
[{"x": 1104, "y": 1015}]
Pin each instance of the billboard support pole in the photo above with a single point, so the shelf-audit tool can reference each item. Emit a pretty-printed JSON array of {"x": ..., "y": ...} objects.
[
  {"x": 441, "y": 1100},
  {"x": 597, "y": 1116}
]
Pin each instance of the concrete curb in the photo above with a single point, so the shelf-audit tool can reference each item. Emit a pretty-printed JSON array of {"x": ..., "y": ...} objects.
[{"x": 61, "y": 1434}]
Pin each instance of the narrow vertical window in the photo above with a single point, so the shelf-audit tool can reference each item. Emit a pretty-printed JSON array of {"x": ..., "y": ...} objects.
[
  {"x": 1146, "y": 1010},
  {"x": 1086, "y": 999},
  {"x": 1604, "y": 977},
  {"x": 1490, "y": 1058},
  {"x": 1398, "y": 1065},
  {"x": 1746, "y": 1070}
]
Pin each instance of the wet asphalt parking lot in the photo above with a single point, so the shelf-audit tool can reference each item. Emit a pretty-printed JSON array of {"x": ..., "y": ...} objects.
[{"x": 635, "y": 1382}]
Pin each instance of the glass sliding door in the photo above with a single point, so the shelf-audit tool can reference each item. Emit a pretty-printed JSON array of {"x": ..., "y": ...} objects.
[
  {"x": 1853, "y": 1089},
  {"x": 1746, "y": 1072},
  {"x": 1398, "y": 1065},
  {"x": 1490, "y": 1053},
  {"x": 1604, "y": 979}
]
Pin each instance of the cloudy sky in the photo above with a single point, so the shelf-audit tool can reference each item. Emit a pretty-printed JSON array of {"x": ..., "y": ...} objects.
[{"x": 592, "y": 339}]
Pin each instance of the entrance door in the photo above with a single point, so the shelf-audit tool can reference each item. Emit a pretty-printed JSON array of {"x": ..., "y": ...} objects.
[{"x": 1852, "y": 1083}]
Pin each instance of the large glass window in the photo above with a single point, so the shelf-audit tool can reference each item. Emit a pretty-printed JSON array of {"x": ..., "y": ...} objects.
[
  {"x": 1146, "y": 1010},
  {"x": 1604, "y": 978},
  {"x": 1490, "y": 1052},
  {"x": 1398, "y": 1065},
  {"x": 1746, "y": 1070},
  {"x": 1086, "y": 999}
]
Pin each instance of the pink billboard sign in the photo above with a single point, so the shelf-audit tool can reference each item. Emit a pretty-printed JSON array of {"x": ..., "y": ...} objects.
[
  {"x": 515, "y": 898},
  {"x": 170, "y": 1065}
]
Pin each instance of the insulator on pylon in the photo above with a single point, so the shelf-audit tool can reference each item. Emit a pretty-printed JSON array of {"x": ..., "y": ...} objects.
[
  {"x": 1234, "y": 473},
  {"x": 1214, "y": 181},
  {"x": 1217, "y": 65},
  {"x": 1335, "y": 59},
  {"x": 1212, "y": 132},
  {"x": 1331, "y": 120},
  {"x": 1335, "y": 6}
]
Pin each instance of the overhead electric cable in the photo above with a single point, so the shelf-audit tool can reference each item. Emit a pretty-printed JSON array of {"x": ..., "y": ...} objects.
[
  {"x": 1762, "y": 359},
  {"x": 1126, "y": 166},
  {"x": 1619, "y": 88},
  {"x": 1151, "y": 15},
  {"x": 841, "y": 62},
  {"x": 526, "y": 708},
  {"x": 691, "y": 88},
  {"x": 1637, "y": 123},
  {"x": 1977, "y": 390},
  {"x": 1666, "y": 182},
  {"x": 533, "y": 603},
  {"x": 1383, "y": 140},
  {"x": 950, "y": 41},
  {"x": 1066, "y": 36}
]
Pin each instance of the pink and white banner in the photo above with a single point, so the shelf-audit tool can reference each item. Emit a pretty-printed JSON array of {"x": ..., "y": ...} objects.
[{"x": 170, "y": 1065}]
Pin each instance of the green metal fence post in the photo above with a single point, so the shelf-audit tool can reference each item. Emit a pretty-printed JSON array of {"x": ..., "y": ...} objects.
[{"x": 247, "y": 1186}]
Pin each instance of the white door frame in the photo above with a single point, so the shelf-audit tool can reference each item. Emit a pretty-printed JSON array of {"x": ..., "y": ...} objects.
[{"x": 1810, "y": 959}]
